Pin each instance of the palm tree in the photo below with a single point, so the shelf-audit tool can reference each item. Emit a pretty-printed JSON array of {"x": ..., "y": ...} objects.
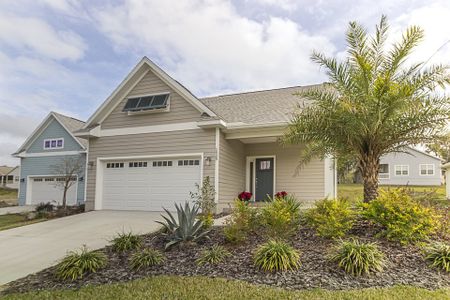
[{"x": 374, "y": 104}]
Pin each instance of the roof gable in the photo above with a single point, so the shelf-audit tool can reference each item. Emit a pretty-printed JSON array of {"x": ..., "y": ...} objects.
[
  {"x": 132, "y": 79},
  {"x": 68, "y": 124}
]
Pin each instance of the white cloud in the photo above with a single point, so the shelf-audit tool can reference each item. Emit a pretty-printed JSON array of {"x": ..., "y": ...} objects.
[
  {"x": 36, "y": 36},
  {"x": 210, "y": 47}
]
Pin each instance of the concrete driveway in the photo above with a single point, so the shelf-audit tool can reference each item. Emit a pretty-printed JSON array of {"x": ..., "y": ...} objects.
[{"x": 29, "y": 249}]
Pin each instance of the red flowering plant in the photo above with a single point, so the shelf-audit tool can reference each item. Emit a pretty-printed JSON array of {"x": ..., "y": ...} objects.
[
  {"x": 281, "y": 195},
  {"x": 245, "y": 196}
]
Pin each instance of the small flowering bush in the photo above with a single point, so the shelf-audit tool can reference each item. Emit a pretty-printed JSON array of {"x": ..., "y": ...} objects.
[
  {"x": 281, "y": 195},
  {"x": 245, "y": 196}
]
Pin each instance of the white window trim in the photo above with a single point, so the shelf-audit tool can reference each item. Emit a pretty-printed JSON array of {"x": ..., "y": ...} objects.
[
  {"x": 388, "y": 173},
  {"x": 420, "y": 170},
  {"x": 401, "y": 170},
  {"x": 53, "y": 148}
]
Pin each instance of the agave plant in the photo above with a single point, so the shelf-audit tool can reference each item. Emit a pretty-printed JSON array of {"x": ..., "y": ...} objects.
[{"x": 187, "y": 229}]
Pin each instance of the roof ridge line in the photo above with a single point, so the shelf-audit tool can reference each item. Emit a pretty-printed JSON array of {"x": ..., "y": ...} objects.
[{"x": 259, "y": 91}]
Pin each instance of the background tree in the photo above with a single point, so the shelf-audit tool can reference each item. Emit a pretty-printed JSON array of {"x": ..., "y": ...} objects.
[
  {"x": 374, "y": 104},
  {"x": 69, "y": 169},
  {"x": 441, "y": 147}
]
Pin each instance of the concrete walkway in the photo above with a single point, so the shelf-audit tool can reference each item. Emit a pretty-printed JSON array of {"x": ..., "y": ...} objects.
[
  {"x": 29, "y": 249},
  {"x": 16, "y": 209}
]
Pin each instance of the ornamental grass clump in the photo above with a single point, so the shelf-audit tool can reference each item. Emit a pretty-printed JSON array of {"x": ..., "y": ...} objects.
[
  {"x": 403, "y": 219},
  {"x": 213, "y": 255},
  {"x": 276, "y": 256},
  {"x": 146, "y": 258},
  {"x": 358, "y": 258},
  {"x": 438, "y": 255},
  {"x": 77, "y": 264},
  {"x": 126, "y": 242},
  {"x": 331, "y": 218}
]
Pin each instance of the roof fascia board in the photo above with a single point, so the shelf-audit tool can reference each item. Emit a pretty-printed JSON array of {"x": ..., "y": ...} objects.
[
  {"x": 125, "y": 93},
  {"x": 32, "y": 137},
  {"x": 113, "y": 94},
  {"x": 164, "y": 77},
  {"x": 68, "y": 131},
  {"x": 179, "y": 88}
]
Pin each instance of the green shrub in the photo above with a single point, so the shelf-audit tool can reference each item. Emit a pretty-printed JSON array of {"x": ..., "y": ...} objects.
[
  {"x": 438, "y": 255},
  {"x": 331, "y": 218},
  {"x": 276, "y": 256},
  {"x": 240, "y": 223},
  {"x": 358, "y": 258},
  {"x": 280, "y": 217},
  {"x": 146, "y": 258},
  {"x": 76, "y": 264},
  {"x": 187, "y": 229},
  {"x": 126, "y": 242},
  {"x": 207, "y": 220},
  {"x": 214, "y": 255},
  {"x": 403, "y": 219}
]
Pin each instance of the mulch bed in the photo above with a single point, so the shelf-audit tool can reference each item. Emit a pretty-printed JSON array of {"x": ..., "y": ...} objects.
[{"x": 406, "y": 266}]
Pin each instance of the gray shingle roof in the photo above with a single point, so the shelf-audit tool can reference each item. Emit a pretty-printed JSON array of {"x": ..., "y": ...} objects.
[
  {"x": 72, "y": 125},
  {"x": 268, "y": 106}
]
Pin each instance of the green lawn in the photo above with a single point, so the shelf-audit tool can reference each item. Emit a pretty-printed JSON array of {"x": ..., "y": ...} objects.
[
  {"x": 354, "y": 192},
  {"x": 8, "y": 195},
  {"x": 174, "y": 287},
  {"x": 15, "y": 220}
]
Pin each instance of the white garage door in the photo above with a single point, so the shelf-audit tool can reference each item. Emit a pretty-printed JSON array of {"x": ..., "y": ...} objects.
[
  {"x": 46, "y": 189},
  {"x": 149, "y": 184}
]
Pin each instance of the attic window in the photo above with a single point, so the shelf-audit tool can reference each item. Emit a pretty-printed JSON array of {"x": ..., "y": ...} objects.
[{"x": 147, "y": 103}]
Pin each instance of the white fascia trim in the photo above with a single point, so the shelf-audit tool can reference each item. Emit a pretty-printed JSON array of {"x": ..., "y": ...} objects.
[
  {"x": 240, "y": 125},
  {"x": 125, "y": 93},
  {"x": 113, "y": 94},
  {"x": 217, "y": 164},
  {"x": 178, "y": 88},
  {"x": 31, "y": 137},
  {"x": 68, "y": 131},
  {"x": 164, "y": 77},
  {"x": 146, "y": 129},
  {"x": 42, "y": 154},
  {"x": 212, "y": 123}
]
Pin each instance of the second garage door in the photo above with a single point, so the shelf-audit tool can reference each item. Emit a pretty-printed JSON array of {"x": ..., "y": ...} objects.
[
  {"x": 47, "y": 189},
  {"x": 149, "y": 185}
]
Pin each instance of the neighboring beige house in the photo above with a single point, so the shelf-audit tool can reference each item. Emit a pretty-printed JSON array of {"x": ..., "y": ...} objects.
[
  {"x": 152, "y": 140},
  {"x": 9, "y": 177}
]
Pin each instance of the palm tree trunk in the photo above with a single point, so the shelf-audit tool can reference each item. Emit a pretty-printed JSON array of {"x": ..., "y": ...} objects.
[{"x": 369, "y": 169}]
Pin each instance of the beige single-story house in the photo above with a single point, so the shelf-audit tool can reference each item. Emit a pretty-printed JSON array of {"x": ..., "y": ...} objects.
[
  {"x": 9, "y": 177},
  {"x": 152, "y": 140}
]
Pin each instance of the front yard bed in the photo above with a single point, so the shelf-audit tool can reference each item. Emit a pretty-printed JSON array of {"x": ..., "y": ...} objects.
[
  {"x": 175, "y": 287},
  {"x": 406, "y": 265}
]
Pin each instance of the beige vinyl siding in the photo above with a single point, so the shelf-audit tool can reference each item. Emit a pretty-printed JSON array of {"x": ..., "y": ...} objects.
[
  {"x": 162, "y": 143},
  {"x": 231, "y": 171},
  {"x": 308, "y": 185},
  {"x": 180, "y": 110}
]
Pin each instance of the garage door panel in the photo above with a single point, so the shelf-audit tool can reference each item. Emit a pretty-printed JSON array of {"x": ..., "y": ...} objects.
[
  {"x": 149, "y": 188},
  {"x": 45, "y": 189}
]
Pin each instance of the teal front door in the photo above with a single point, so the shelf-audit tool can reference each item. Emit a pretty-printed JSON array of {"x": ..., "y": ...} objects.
[{"x": 264, "y": 175}]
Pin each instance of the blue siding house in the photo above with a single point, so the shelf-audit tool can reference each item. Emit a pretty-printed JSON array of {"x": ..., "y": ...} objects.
[{"x": 47, "y": 149}]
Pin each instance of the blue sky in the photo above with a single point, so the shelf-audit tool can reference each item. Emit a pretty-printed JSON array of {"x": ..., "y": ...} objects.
[{"x": 68, "y": 56}]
